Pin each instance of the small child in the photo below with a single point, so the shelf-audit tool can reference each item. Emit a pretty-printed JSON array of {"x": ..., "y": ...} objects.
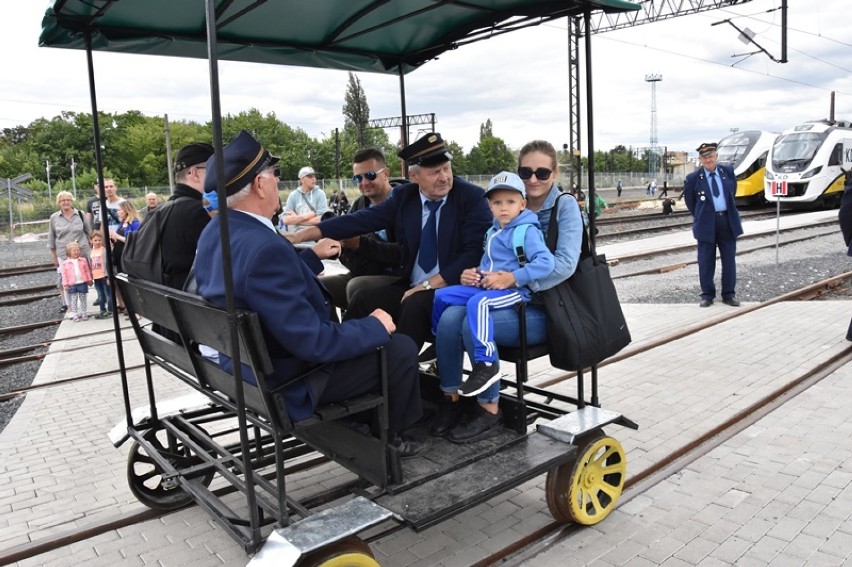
[
  {"x": 76, "y": 279},
  {"x": 501, "y": 278},
  {"x": 97, "y": 259}
]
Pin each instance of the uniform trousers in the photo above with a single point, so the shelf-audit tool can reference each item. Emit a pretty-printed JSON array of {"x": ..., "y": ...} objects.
[
  {"x": 360, "y": 375},
  {"x": 412, "y": 317},
  {"x": 727, "y": 244}
]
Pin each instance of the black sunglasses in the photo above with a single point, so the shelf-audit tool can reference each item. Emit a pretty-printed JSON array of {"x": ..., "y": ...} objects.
[
  {"x": 369, "y": 175},
  {"x": 542, "y": 173}
]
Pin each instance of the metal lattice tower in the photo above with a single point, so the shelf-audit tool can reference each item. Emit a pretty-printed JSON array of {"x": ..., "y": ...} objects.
[{"x": 653, "y": 78}]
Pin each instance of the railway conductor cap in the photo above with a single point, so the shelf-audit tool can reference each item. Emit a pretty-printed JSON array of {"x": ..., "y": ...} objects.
[
  {"x": 428, "y": 150},
  {"x": 244, "y": 157},
  {"x": 707, "y": 148}
]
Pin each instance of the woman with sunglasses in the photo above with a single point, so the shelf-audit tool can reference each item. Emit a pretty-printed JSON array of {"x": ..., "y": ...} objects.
[{"x": 538, "y": 168}]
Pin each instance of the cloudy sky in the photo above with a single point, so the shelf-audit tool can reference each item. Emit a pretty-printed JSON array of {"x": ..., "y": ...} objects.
[{"x": 518, "y": 80}]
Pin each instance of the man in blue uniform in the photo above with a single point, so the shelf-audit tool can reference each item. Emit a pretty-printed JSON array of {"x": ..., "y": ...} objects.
[
  {"x": 709, "y": 195},
  {"x": 272, "y": 280},
  {"x": 438, "y": 221}
]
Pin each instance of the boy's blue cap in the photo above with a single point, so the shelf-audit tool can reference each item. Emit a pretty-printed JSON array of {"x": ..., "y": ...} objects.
[
  {"x": 507, "y": 180},
  {"x": 244, "y": 158}
]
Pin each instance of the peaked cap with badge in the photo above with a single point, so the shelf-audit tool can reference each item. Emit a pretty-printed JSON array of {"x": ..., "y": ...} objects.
[
  {"x": 427, "y": 151},
  {"x": 707, "y": 148},
  {"x": 244, "y": 158}
]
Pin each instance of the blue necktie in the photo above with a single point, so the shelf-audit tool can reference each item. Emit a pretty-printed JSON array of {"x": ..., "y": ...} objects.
[
  {"x": 429, "y": 238},
  {"x": 714, "y": 185}
]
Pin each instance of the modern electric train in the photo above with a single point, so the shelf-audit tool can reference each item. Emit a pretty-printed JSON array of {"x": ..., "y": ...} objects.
[
  {"x": 806, "y": 164},
  {"x": 746, "y": 152}
]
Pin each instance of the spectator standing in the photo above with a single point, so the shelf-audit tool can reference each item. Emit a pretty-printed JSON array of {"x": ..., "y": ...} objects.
[
  {"x": 129, "y": 222},
  {"x": 97, "y": 261},
  {"x": 709, "y": 195},
  {"x": 151, "y": 203},
  {"x": 306, "y": 205},
  {"x": 619, "y": 187},
  {"x": 339, "y": 203},
  {"x": 845, "y": 217},
  {"x": 76, "y": 279},
  {"x": 66, "y": 225}
]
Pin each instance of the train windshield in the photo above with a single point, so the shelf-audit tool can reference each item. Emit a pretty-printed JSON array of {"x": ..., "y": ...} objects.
[
  {"x": 796, "y": 148},
  {"x": 733, "y": 149}
]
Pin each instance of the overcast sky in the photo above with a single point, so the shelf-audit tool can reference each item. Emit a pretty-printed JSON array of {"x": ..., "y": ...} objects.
[{"x": 518, "y": 80}]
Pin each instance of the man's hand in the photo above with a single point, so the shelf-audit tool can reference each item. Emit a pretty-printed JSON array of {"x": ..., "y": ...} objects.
[
  {"x": 385, "y": 319},
  {"x": 326, "y": 248},
  {"x": 498, "y": 280},
  {"x": 411, "y": 291},
  {"x": 351, "y": 243},
  {"x": 311, "y": 233}
]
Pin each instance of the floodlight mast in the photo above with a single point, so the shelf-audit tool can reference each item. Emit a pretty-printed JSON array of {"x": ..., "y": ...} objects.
[{"x": 653, "y": 78}]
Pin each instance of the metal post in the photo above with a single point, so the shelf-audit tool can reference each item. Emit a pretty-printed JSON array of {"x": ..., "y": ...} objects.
[
  {"x": 74, "y": 176},
  {"x": 337, "y": 157},
  {"x": 777, "y": 227},
  {"x": 47, "y": 168},
  {"x": 169, "y": 157},
  {"x": 11, "y": 218}
]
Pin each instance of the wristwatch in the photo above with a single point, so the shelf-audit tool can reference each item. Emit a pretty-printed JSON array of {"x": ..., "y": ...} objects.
[{"x": 426, "y": 285}]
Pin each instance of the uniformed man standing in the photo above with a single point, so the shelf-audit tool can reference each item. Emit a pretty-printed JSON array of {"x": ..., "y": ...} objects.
[{"x": 709, "y": 195}]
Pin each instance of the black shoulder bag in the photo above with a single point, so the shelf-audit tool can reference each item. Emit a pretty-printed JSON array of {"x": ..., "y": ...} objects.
[{"x": 585, "y": 323}]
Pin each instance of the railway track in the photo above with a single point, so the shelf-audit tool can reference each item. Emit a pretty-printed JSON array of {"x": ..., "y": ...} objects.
[{"x": 531, "y": 543}]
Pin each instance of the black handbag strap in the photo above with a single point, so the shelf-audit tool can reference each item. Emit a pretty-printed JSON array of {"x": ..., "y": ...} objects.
[{"x": 553, "y": 231}]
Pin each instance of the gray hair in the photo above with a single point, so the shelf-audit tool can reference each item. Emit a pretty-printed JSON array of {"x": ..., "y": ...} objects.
[{"x": 239, "y": 196}]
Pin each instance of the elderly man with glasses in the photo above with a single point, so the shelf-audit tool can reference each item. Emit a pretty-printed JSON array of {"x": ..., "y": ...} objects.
[
  {"x": 373, "y": 259},
  {"x": 270, "y": 279}
]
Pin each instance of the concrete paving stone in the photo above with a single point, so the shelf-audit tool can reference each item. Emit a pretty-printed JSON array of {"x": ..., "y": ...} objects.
[
  {"x": 803, "y": 546},
  {"x": 651, "y": 533},
  {"x": 431, "y": 544},
  {"x": 624, "y": 553},
  {"x": 662, "y": 549},
  {"x": 731, "y": 549},
  {"x": 838, "y": 544},
  {"x": 720, "y": 530},
  {"x": 464, "y": 558},
  {"x": 711, "y": 562},
  {"x": 710, "y": 514},
  {"x": 819, "y": 559},
  {"x": 787, "y": 529},
  {"x": 695, "y": 550},
  {"x": 176, "y": 554},
  {"x": 754, "y": 529},
  {"x": 838, "y": 479},
  {"x": 492, "y": 530},
  {"x": 675, "y": 562},
  {"x": 766, "y": 550},
  {"x": 397, "y": 542},
  {"x": 10, "y": 540},
  {"x": 774, "y": 510},
  {"x": 500, "y": 511}
]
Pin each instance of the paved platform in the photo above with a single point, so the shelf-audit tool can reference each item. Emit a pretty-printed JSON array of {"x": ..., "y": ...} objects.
[{"x": 778, "y": 493}]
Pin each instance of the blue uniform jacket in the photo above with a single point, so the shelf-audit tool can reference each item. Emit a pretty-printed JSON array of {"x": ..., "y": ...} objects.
[
  {"x": 699, "y": 201},
  {"x": 501, "y": 255},
  {"x": 464, "y": 219},
  {"x": 271, "y": 280}
]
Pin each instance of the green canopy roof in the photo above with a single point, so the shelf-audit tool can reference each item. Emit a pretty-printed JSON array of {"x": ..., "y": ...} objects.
[{"x": 381, "y": 36}]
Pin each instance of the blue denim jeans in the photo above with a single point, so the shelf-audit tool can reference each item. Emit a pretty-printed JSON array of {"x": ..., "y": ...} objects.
[{"x": 453, "y": 338}]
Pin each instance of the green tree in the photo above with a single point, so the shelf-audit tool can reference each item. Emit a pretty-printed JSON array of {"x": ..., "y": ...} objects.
[
  {"x": 491, "y": 155},
  {"x": 356, "y": 111}
]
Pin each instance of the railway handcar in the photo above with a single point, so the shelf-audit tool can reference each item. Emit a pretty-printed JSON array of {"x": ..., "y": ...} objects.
[
  {"x": 807, "y": 162},
  {"x": 746, "y": 152}
]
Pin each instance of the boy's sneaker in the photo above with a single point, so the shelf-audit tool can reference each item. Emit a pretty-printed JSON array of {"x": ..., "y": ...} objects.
[{"x": 482, "y": 376}]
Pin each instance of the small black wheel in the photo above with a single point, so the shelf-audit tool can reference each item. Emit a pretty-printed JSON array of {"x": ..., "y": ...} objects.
[
  {"x": 145, "y": 477},
  {"x": 348, "y": 552}
]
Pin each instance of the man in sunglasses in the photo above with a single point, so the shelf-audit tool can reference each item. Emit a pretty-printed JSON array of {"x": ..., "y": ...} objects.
[
  {"x": 374, "y": 258},
  {"x": 438, "y": 220},
  {"x": 307, "y": 204}
]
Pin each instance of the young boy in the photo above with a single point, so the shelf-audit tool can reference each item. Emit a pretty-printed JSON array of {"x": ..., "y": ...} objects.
[
  {"x": 97, "y": 259},
  {"x": 502, "y": 277},
  {"x": 76, "y": 279}
]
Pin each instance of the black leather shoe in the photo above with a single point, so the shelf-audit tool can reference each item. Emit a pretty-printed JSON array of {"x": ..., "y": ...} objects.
[
  {"x": 705, "y": 303},
  {"x": 732, "y": 301},
  {"x": 481, "y": 424},
  {"x": 446, "y": 417},
  {"x": 408, "y": 448}
]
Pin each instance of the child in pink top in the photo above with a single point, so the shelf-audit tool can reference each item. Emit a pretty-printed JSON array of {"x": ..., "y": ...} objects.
[{"x": 76, "y": 279}]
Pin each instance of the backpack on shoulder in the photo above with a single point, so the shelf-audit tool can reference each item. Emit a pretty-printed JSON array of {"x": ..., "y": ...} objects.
[{"x": 142, "y": 257}]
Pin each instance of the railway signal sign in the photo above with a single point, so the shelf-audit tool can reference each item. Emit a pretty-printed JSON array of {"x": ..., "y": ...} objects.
[{"x": 778, "y": 188}]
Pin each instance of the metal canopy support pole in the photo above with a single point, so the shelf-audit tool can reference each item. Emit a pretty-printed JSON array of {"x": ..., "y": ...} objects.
[
  {"x": 574, "y": 98},
  {"x": 99, "y": 164},
  {"x": 590, "y": 144},
  {"x": 224, "y": 235},
  {"x": 404, "y": 140}
]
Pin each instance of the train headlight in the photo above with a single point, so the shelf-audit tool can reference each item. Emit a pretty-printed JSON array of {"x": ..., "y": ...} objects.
[
  {"x": 811, "y": 172},
  {"x": 769, "y": 175}
]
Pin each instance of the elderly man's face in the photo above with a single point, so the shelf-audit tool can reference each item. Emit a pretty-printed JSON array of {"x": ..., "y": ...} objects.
[
  {"x": 435, "y": 181},
  {"x": 151, "y": 200},
  {"x": 709, "y": 161}
]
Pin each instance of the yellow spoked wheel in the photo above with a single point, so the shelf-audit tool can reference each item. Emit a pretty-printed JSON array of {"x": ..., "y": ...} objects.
[
  {"x": 587, "y": 490},
  {"x": 349, "y": 552}
]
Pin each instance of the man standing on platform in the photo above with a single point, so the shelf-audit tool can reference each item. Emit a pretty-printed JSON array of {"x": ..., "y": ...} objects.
[
  {"x": 438, "y": 221},
  {"x": 709, "y": 195}
]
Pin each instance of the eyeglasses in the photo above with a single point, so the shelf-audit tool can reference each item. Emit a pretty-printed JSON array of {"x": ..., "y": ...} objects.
[
  {"x": 369, "y": 175},
  {"x": 276, "y": 171},
  {"x": 542, "y": 173}
]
